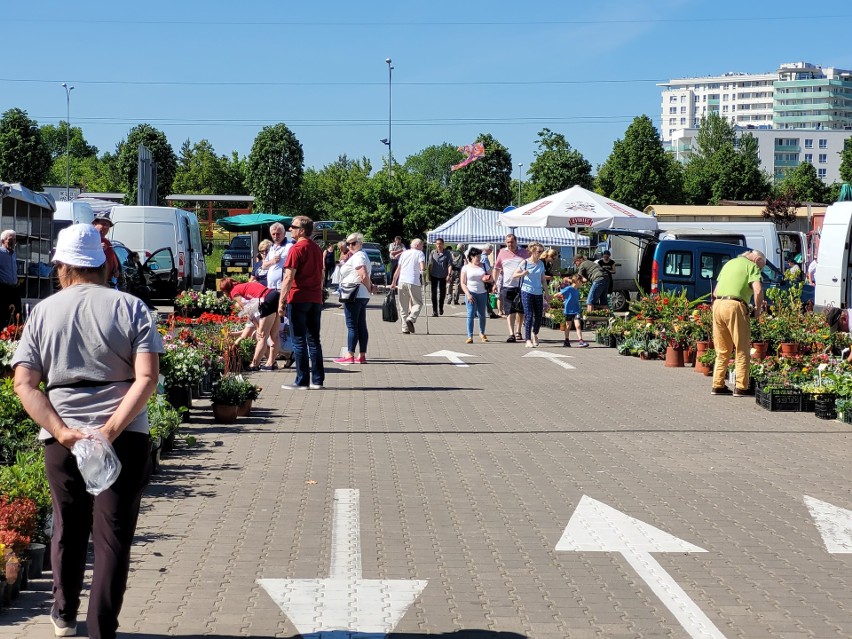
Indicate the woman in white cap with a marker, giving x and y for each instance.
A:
(97, 351)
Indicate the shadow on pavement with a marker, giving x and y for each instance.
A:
(344, 634)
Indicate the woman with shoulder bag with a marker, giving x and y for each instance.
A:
(533, 285)
(355, 290)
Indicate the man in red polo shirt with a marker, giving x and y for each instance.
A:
(301, 299)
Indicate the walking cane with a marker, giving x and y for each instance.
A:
(423, 297)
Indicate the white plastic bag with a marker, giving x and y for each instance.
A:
(97, 461)
(250, 309)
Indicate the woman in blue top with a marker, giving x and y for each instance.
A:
(531, 272)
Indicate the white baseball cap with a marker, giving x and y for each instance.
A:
(79, 245)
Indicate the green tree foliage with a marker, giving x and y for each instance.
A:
(803, 184)
(275, 169)
(128, 161)
(718, 170)
(486, 182)
(200, 171)
(24, 157)
(434, 162)
(339, 191)
(639, 172)
(55, 139)
(557, 166)
(846, 161)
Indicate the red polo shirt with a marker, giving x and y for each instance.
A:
(249, 291)
(306, 258)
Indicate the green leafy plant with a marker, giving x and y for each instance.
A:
(27, 478)
(708, 357)
(163, 418)
(233, 390)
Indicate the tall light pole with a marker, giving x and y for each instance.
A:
(390, 115)
(68, 90)
(520, 164)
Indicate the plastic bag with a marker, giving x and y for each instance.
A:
(97, 461)
(250, 309)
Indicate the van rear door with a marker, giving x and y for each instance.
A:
(832, 276)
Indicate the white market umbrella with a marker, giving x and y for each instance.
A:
(579, 208)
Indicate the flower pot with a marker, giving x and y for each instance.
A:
(244, 409)
(759, 349)
(674, 357)
(689, 356)
(704, 369)
(13, 578)
(224, 414)
(179, 396)
(700, 347)
(787, 349)
(647, 356)
(562, 326)
(169, 442)
(36, 554)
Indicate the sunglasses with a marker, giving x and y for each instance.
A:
(355, 243)
(294, 226)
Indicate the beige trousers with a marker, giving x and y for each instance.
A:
(410, 302)
(731, 332)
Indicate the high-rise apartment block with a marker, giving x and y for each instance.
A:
(800, 113)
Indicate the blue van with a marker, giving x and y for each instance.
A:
(693, 266)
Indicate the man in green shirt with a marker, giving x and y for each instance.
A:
(738, 279)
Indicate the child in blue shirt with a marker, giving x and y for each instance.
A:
(571, 294)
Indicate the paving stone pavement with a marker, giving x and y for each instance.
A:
(467, 479)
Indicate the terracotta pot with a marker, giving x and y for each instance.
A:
(224, 414)
(787, 348)
(759, 349)
(703, 368)
(689, 356)
(674, 357)
(700, 347)
(244, 409)
(708, 372)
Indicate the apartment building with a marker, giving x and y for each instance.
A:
(800, 113)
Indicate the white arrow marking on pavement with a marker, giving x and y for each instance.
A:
(455, 358)
(834, 524)
(596, 527)
(344, 601)
(553, 357)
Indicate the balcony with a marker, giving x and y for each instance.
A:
(787, 163)
(787, 148)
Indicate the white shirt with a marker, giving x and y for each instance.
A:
(473, 276)
(275, 274)
(410, 266)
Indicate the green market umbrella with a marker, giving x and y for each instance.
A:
(252, 221)
(845, 193)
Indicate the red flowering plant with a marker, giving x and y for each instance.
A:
(18, 518)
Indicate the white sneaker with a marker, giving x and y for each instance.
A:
(314, 387)
(293, 387)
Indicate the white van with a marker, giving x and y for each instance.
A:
(68, 213)
(834, 266)
(148, 229)
(777, 245)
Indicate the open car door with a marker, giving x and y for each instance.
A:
(160, 271)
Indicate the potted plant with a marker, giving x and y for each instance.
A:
(164, 421)
(250, 393)
(228, 395)
(705, 362)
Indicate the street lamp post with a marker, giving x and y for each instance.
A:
(520, 202)
(390, 118)
(68, 90)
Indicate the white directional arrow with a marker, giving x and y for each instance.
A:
(834, 524)
(344, 601)
(455, 358)
(596, 527)
(553, 357)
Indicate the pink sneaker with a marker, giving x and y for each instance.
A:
(345, 360)
(362, 359)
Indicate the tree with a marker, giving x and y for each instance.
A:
(200, 171)
(434, 162)
(24, 157)
(803, 184)
(557, 166)
(275, 169)
(128, 161)
(639, 172)
(718, 170)
(484, 183)
(339, 191)
(781, 208)
(846, 161)
(55, 139)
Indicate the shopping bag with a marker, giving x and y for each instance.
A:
(389, 312)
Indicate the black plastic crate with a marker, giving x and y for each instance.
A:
(779, 400)
(824, 406)
(809, 402)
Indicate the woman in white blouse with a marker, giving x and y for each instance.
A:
(473, 280)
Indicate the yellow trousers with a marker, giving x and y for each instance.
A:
(731, 332)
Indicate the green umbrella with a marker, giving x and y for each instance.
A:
(845, 193)
(252, 221)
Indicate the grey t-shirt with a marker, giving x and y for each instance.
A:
(88, 333)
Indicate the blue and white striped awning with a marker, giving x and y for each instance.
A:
(479, 226)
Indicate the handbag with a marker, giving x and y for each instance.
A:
(348, 291)
(389, 311)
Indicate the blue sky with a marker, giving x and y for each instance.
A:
(222, 71)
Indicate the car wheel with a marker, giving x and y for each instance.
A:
(620, 301)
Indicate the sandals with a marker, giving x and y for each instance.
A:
(511, 338)
(518, 337)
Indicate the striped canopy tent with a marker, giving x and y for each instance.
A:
(479, 226)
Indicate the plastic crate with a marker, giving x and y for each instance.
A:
(779, 400)
(808, 402)
(824, 406)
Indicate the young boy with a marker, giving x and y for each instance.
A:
(571, 294)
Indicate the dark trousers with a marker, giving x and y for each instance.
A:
(307, 350)
(110, 517)
(439, 291)
(455, 290)
(10, 305)
(357, 334)
(533, 311)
